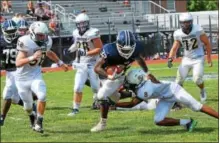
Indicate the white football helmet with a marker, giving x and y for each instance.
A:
(82, 22)
(186, 22)
(39, 32)
(135, 76)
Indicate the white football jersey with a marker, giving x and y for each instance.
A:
(149, 90)
(32, 69)
(193, 46)
(85, 41)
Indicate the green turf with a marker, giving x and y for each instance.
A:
(123, 126)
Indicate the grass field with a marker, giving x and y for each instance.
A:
(123, 126)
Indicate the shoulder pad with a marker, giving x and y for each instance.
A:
(49, 43)
(199, 30)
(23, 42)
(75, 32)
(176, 35)
(93, 33)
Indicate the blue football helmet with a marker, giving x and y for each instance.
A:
(126, 43)
(22, 27)
(9, 30)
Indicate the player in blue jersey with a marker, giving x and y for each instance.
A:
(8, 54)
(120, 53)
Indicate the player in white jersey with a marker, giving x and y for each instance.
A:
(192, 38)
(32, 50)
(148, 87)
(8, 52)
(87, 44)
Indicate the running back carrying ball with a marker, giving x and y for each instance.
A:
(111, 69)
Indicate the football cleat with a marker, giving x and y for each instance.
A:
(74, 112)
(176, 106)
(99, 127)
(39, 125)
(32, 118)
(191, 125)
(95, 105)
(203, 96)
(2, 121)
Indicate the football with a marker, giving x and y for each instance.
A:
(110, 69)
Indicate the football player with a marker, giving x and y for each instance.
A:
(32, 50)
(87, 44)
(8, 54)
(121, 53)
(192, 38)
(168, 93)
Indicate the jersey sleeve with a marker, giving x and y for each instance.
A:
(176, 35)
(104, 52)
(49, 43)
(22, 44)
(200, 30)
(94, 33)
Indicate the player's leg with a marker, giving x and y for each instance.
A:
(109, 87)
(160, 118)
(80, 79)
(198, 72)
(182, 72)
(9, 91)
(185, 98)
(38, 86)
(94, 81)
(24, 91)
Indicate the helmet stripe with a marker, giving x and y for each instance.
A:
(126, 41)
(129, 36)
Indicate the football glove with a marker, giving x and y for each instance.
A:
(169, 63)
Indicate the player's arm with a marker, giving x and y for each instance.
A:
(98, 67)
(205, 40)
(175, 47)
(98, 45)
(130, 104)
(22, 58)
(53, 56)
(140, 60)
(153, 78)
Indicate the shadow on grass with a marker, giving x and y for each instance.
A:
(179, 131)
(57, 108)
(84, 131)
(212, 99)
(117, 128)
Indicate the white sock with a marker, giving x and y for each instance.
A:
(94, 96)
(39, 115)
(203, 90)
(183, 122)
(103, 120)
(76, 105)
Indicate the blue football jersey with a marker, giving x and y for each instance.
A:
(112, 56)
(8, 53)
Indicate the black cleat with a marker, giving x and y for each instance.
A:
(177, 106)
(95, 105)
(38, 127)
(191, 125)
(2, 121)
(32, 118)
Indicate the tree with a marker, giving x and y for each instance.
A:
(202, 5)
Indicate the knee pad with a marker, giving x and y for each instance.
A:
(196, 106)
(41, 96)
(15, 99)
(28, 106)
(78, 88)
(198, 79)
